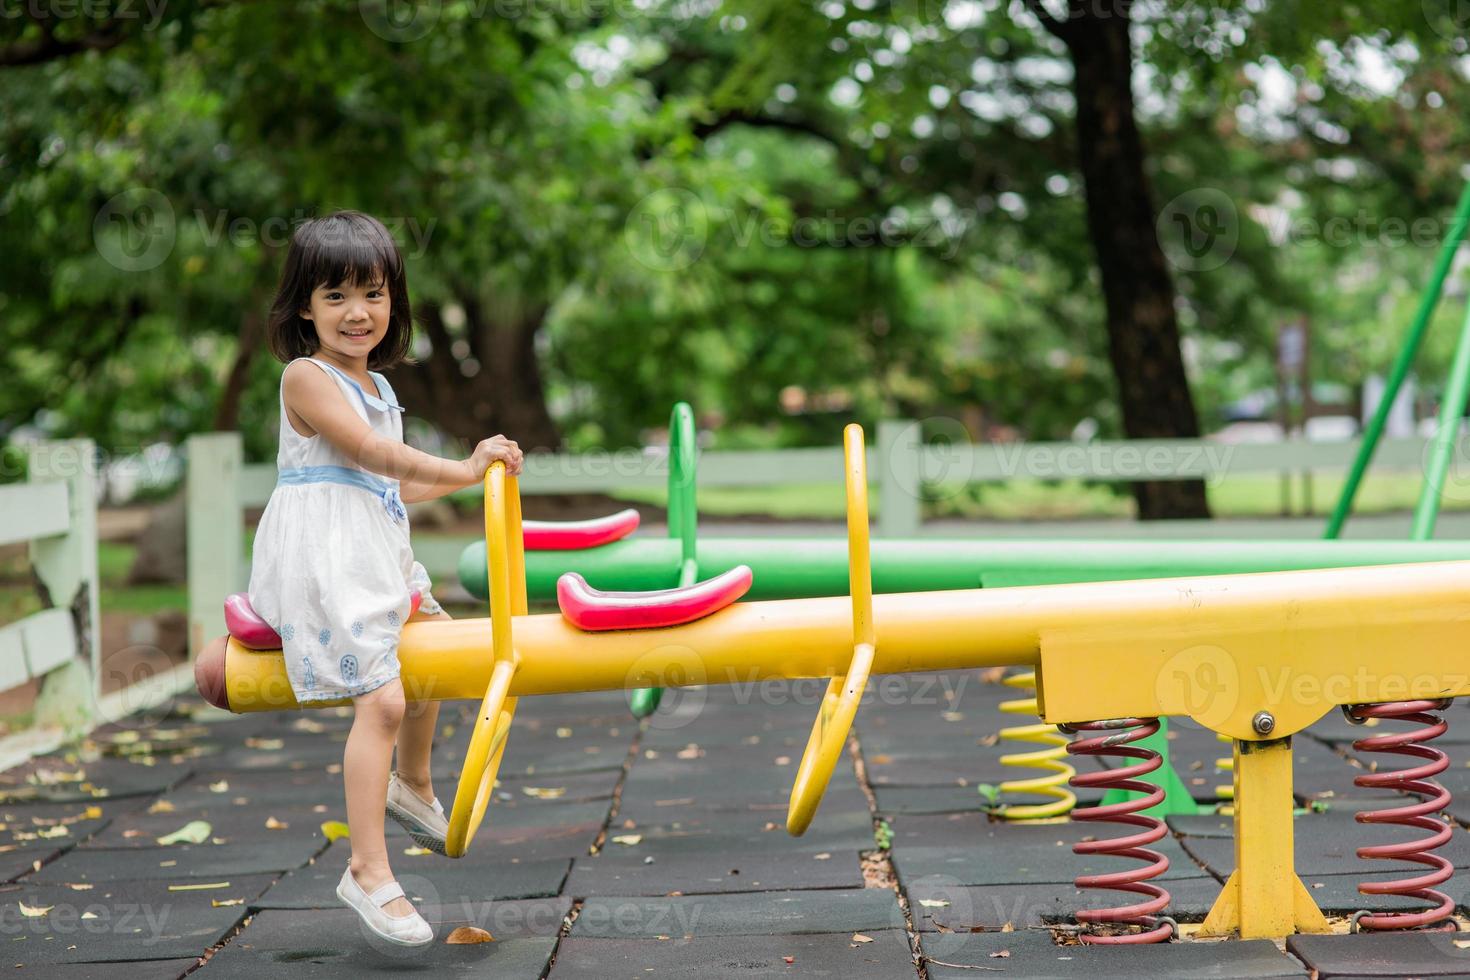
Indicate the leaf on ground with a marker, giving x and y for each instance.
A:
(202, 886)
(161, 806)
(628, 839)
(34, 912)
(219, 903)
(416, 851)
(265, 744)
(468, 935)
(934, 903)
(1001, 954)
(193, 832)
(271, 823)
(824, 856)
(858, 937)
(545, 792)
(988, 791)
(335, 830)
(223, 786)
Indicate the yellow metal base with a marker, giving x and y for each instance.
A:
(1263, 899)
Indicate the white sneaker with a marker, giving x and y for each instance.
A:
(403, 930)
(425, 822)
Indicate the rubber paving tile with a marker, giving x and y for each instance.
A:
(886, 957)
(88, 782)
(352, 957)
(1383, 955)
(761, 914)
(1327, 844)
(129, 970)
(961, 908)
(694, 874)
(122, 920)
(896, 800)
(210, 861)
(1014, 860)
(1033, 955)
(485, 874)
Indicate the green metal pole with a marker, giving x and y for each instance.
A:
(1446, 434)
(683, 510)
(1401, 366)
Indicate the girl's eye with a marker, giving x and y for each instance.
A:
(334, 296)
(374, 293)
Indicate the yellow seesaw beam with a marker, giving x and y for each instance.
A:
(1217, 648)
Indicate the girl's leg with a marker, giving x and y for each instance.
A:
(416, 737)
(376, 719)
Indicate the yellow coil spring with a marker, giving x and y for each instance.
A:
(1058, 772)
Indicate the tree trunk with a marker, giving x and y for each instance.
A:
(503, 393)
(1143, 334)
(252, 336)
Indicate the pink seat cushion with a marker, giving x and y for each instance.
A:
(254, 633)
(588, 609)
(569, 535)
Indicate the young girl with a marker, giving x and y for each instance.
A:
(332, 569)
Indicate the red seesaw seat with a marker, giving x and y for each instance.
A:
(570, 535)
(588, 609)
(254, 633)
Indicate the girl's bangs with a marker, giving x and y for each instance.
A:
(342, 251)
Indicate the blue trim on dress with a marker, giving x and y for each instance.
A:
(384, 490)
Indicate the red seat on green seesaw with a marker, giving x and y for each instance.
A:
(254, 633)
(588, 609)
(570, 535)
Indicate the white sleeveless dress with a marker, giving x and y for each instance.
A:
(331, 567)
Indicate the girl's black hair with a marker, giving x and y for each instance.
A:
(347, 246)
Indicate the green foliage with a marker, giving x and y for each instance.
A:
(791, 214)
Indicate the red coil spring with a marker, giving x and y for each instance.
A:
(1415, 781)
(1118, 733)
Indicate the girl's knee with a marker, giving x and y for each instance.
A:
(385, 706)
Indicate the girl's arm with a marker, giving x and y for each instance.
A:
(314, 396)
(417, 491)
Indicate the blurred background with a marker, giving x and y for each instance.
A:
(1008, 221)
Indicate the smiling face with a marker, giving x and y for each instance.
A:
(350, 319)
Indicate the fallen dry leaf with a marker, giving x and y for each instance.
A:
(223, 786)
(271, 823)
(335, 830)
(545, 792)
(933, 903)
(628, 839)
(161, 806)
(220, 903)
(858, 937)
(33, 912)
(199, 887)
(467, 935)
(1000, 954)
(416, 851)
(193, 832)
